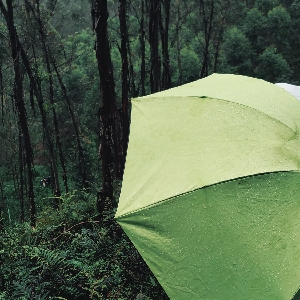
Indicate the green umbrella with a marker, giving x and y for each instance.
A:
(211, 189)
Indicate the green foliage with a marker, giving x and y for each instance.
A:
(237, 53)
(69, 16)
(278, 28)
(80, 258)
(254, 28)
(295, 10)
(273, 67)
(81, 75)
(75, 207)
(279, 19)
(261, 45)
(265, 5)
(190, 65)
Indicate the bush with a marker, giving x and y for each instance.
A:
(72, 255)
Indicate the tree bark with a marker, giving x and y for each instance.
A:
(107, 111)
(178, 46)
(217, 40)
(207, 22)
(143, 56)
(21, 171)
(82, 165)
(2, 93)
(38, 91)
(164, 31)
(37, 88)
(125, 85)
(153, 39)
(19, 102)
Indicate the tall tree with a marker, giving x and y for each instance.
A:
(107, 111)
(2, 92)
(142, 42)
(21, 171)
(164, 30)
(37, 16)
(207, 17)
(125, 85)
(82, 165)
(154, 42)
(19, 102)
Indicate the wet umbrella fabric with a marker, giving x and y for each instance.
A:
(211, 194)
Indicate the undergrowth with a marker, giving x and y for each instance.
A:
(72, 255)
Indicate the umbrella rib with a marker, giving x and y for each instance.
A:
(247, 106)
(219, 99)
(172, 198)
(139, 99)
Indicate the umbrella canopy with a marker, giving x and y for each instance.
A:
(293, 89)
(211, 189)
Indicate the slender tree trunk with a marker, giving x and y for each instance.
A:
(56, 186)
(35, 86)
(164, 31)
(19, 101)
(125, 85)
(133, 91)
(39, 95)
(219, 34)
(37, 90)
(57, 192)
(216, 55)
(2, 93)
(16, 179)
(153, 39)
(178, 47)
(143, 56)
(207, 22)
(82, 165)
(2, 206)
(21, 173)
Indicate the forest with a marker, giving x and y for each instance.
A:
(68, 69)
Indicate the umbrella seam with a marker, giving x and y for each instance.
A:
(225, 100)
(197, 189)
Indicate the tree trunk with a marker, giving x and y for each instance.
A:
(56, 185)
(207, 22)
(153, 39)
(217, 40)
(107, 111)
(2, 93)
(36, 84)
(19, 102)
(21, 171)
(125, 86)
(1, 217)
(164, 31)
(142, 42)
(35, 88)
(178, 46)
(82, 166)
